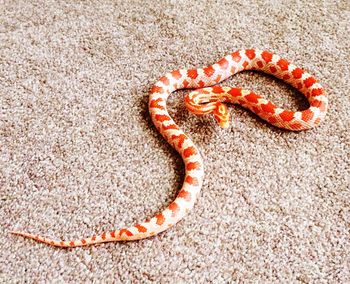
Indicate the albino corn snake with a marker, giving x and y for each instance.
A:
(205, 101)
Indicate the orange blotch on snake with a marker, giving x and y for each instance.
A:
(245, 64)
(62, 243)
(71, 244)
(273, 69)
(176, 74)
(269, 107)
(182, 137)
(192, 166)
(93, 238)
(283, 64)
(189, 151)
(185, 195)
(164, 80)
(319, 104)
(185, 83)
(315, 103)
(160, 219)
(309, 82)
(170, 126)
(209, 71)
(191, 180)
(192, 73)
(217, 90)
(125, 231)
(83, 242)
(317, 92)
(174, 207)
(162, 117)
(236, 56)
(260, 64)
(307, 115)
(287, 115)
(157, 89)
(223, 63)
(218, 79)
(155, 103)
(201, 84)
(286, 77)
(112, 234)
(103, 236)
(235, 92)
(253, 98)
(140, 228)
(52, 243)
(250, 53)
(297, 73)
(267, 56)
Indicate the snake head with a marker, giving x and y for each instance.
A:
(222, 115)
(204, 101)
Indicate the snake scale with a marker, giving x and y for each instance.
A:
(209, 98)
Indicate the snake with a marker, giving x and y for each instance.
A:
(207, 97)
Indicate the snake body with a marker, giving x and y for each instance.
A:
(210, 98)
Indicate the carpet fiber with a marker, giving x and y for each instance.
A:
(80, 155)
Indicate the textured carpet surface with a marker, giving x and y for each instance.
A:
(79, 154)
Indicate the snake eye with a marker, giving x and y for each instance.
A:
(221, 109)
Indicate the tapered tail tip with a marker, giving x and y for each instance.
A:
(22, 234)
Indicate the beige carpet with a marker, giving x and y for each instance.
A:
(79, 154)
